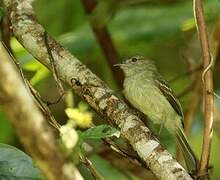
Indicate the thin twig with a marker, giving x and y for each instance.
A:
(207, 88)
(41, 104)
(91, 168)
(44, 107)
(47, 103)
(56, 101)
(216, 95)
(54, 70)
(122, 152)
(104, 39)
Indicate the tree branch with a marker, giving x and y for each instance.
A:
(69, 69)
(30, 124)
(104, 39)
(207, 88)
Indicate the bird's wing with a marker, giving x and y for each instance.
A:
(168, 93)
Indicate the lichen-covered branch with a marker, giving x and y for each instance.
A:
(31, 34)
(30, 124)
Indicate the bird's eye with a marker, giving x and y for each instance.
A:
(134, 59)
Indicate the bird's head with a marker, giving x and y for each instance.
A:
(136, 64)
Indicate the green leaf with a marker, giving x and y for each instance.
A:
(21, 54)
(41, 72)
(15, 164)
(98, 132)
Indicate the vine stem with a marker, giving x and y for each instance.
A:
(207, 76)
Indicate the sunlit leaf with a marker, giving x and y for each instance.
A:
(40, 75)
(188, 24)
(41, 71)
(32, 66)
(21, 54)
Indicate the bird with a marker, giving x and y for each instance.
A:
(146, 90)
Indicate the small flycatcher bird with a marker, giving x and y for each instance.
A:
(148, 92)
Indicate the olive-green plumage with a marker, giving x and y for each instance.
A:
(147, 91)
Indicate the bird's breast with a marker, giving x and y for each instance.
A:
(144, 95)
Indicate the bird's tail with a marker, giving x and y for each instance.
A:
(188, 154)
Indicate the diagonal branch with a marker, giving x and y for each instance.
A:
(30, 124)
(208, 86)
(69, 69)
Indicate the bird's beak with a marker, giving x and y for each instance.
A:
(117, 65)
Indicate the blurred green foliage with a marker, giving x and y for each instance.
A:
(163, 31)
(1, 12)
(7, 132)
